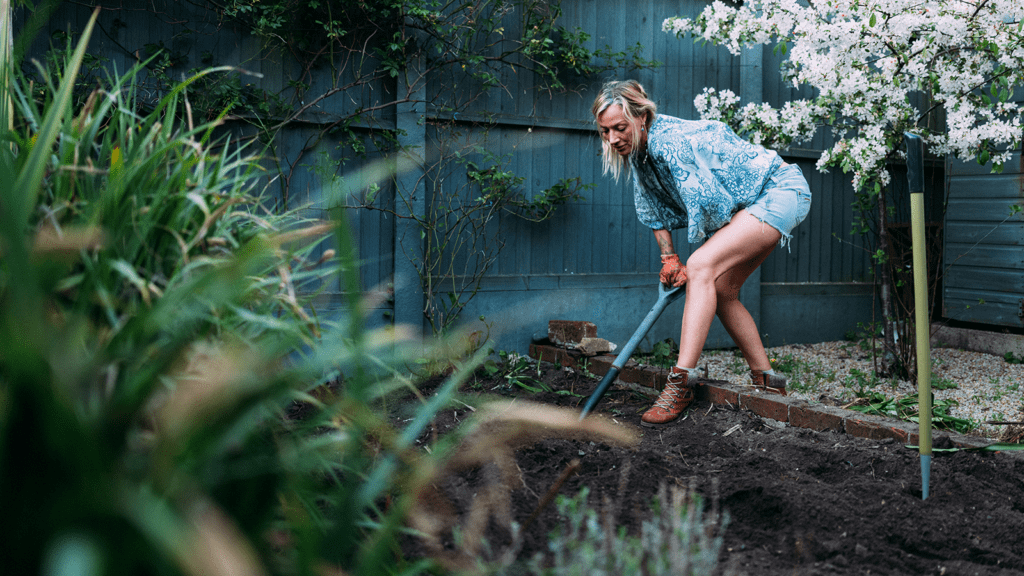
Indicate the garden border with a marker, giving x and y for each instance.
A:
(800, 413)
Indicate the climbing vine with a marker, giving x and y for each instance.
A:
(347, 66)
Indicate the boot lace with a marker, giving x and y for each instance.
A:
(671, 394)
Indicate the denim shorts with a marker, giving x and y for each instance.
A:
(784, 202)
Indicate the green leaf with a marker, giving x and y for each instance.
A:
(872, 21)
(128, 272)
(28, 183)
(996, 447)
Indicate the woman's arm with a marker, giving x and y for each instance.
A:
(673, 273)
(664, 240)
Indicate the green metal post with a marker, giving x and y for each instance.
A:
(915, 169)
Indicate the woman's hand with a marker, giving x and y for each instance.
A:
(673, 273)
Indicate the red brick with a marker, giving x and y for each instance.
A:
(717, 394)
(555, 355)
(642, 377)
(600, 365)
(874, 428)
(660, 378)
(818, 418)
(562, 332)
(797, 412)
(961, 441)
(905, 432)
(770, 406)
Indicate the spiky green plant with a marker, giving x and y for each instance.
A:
(169, 403)
(149, 323)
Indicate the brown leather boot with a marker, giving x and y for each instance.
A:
(770, 383)
(677, 395)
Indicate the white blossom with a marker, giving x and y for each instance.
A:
(868, 62)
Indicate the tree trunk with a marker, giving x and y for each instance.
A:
(889, 349)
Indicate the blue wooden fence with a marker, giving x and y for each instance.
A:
(593, 261)
(984, 245)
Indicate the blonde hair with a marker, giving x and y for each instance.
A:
(630, 95)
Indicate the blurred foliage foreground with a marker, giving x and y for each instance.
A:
(155, 342)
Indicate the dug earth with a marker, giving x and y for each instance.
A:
(799, 501)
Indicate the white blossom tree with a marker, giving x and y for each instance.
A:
(944, 69)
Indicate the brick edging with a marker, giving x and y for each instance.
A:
(795, 412)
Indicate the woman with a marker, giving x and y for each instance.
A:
(739, 198)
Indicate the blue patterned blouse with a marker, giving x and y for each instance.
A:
(697, 174)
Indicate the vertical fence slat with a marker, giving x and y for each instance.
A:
(599, 238)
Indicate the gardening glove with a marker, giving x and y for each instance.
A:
(673, 273)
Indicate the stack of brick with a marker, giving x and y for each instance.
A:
(574, 344)
(578, 335)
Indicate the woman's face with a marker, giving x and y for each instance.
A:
(618, 130)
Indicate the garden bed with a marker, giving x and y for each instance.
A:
(799, 501)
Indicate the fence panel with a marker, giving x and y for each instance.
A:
(592, 260)
(983, 257)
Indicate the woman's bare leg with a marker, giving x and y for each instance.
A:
(722, 264)
(739, 323)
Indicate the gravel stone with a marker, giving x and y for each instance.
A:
(985, 387)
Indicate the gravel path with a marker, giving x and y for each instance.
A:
(981, 387)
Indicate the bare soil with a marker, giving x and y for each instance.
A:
(799, 501)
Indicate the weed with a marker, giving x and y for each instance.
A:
(825, 375)
(787, 364)
(803, 375)
(861, 383)
(942, 383)
(736, 364)
(867, 333)
(584, 369)
(514, 368)
(1012, 358)
(663, 354)
(906, 408)
(681, 538)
